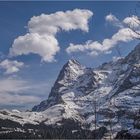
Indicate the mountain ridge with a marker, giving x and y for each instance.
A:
(105, 98)
(122, 62)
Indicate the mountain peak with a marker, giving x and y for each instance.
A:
(72, 67)
(71, 70)
(65, 81)
(71, 62)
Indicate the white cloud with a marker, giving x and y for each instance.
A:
(42, 30)
(12, 85)
(132, 21)
(88, 46)
(10, 90)
(43, 45)
(11, 66)
(124, 34)
(96, 48)
(113, 20)
(52, 23)
(16, 91)
(9, 99)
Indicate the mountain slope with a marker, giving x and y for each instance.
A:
(106, 97)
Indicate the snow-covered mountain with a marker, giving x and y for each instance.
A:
(102, 99)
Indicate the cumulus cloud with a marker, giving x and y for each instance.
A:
(96, 48)
(11, 66)
(43, 45)
(52, 23)
(113, 20)
(88, 46)
(124, 34)
(42, 29)
(132, 21)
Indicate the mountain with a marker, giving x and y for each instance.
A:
(100, 102)
(74, 80)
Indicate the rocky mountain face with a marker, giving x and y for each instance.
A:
(74, 80)
(102, 102)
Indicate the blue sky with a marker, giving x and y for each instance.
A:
(33, 78)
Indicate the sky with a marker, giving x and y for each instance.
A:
(38, 38)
